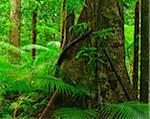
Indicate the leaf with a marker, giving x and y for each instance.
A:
(125, 110)
(74, 113)
(11, 48)
(34, 46)
(61, 86)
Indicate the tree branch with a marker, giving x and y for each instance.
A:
(68, 46)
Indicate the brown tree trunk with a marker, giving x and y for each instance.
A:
(107, 82)
(67, 22)
(15, 14)
(34, 15)
(136, 49)
(145, 51)
(112, 81)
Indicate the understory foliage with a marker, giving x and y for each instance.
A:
(26, 84)
(24, 87)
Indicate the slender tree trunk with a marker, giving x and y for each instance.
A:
(136, 49)
(145, 50)
(15, 16)
(63, 19)
(34, 19)
(67, 22)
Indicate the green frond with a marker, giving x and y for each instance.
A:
(49, 56)
(125, 110)
(73, 113)
(4, 66)
(54, 43)
(34, 46)
(60, 86)
(10, 48)
(12, 85)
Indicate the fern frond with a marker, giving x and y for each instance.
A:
(48, 56)
(73, 113)
(34, 46)
(60, 86)
(125, 110)
(12, 85)
(10, 48)
(54, 43)
(4, 66)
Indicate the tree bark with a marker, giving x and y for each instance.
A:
(145, 50)
(67, 22)
(15, 16)
(109, 82)
(34, 19)
(136, 49)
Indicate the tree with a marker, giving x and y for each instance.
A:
(136, 49)
(94, 55)
(145, 50)
(68, 18)
(15, 15)
(34, 20)
(109, 70)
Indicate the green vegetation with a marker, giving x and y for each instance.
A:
(27, 84)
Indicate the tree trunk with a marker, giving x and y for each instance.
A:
(136, 49)
(34, 19)
(67, 22)
(15, 14)
(110, 81)
(145, 50)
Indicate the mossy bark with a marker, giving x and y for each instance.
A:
(110, 81)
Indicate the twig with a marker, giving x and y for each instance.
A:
(15, 113)
(49, 105)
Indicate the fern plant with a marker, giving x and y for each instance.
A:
(24, 87)
(125, 110)
(22, 83)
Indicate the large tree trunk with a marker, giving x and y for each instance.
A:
(15, 13)
(145, 50)
(109, 82)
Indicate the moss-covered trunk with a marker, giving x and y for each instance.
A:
(106, 76)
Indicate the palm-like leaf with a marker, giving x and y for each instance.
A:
(34, 46)
(125, 110)
(73, 113)
(11, 48)
(60, 86)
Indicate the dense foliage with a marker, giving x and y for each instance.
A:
(25, 84)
